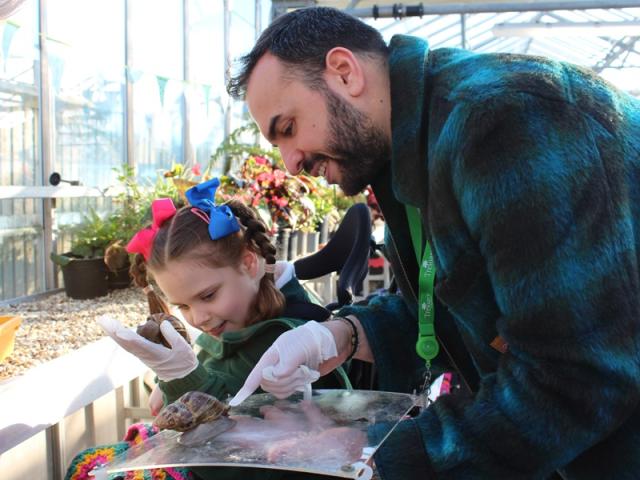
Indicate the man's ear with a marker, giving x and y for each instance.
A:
(344, 72)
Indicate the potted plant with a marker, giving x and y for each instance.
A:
(83, 268)
(132, 212)
(97, 260)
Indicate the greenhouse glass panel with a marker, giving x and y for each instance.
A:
(21, 241)
(206, 86)
(86, 80)
(86, 72)
(155, 68)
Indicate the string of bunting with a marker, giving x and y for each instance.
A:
(133, 74)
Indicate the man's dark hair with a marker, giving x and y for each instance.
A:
(302, 39)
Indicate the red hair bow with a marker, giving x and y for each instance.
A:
(162, 210)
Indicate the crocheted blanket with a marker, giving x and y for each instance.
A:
(85, 461)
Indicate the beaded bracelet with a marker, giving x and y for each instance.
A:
(355, 341)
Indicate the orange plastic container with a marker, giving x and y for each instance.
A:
(8, 328)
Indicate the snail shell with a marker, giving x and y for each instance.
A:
(151, 329)
(189, 411)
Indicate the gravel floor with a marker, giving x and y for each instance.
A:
(58, 324)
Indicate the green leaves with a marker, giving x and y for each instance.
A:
(94, 234)
(60, 260)
(259, 178)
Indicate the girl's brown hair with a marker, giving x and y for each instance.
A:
(186, 236)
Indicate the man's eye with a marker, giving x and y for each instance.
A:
(288, 130)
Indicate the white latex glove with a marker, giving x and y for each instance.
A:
(167, 363)
(291, 363)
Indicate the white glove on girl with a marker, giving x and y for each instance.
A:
(291, 362)
(167, 363)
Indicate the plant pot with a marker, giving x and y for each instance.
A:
(85, 278)
(313, 242)
(282, 244)
(120, 278)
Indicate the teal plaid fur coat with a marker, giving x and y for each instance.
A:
(527, 175)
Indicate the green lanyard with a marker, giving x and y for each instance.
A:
(427, 345)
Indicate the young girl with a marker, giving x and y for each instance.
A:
(217, 265)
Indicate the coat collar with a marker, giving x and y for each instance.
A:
(407, 69)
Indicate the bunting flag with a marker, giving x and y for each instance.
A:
(133, 74)
(162, 84)
(207, 92)
(56, 67)
(9, 31)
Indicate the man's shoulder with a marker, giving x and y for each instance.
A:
(466, 76)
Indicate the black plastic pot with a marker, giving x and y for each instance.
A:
(85, 278)
(120, 278)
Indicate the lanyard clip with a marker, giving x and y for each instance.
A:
(427, 347)
(423, 400)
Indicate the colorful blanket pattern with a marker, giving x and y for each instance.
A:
(85, 461)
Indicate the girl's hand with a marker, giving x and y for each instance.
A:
(167, 363)
(156, 401)
(299, 356)
(291, 362)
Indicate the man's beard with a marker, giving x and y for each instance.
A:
(357, 146)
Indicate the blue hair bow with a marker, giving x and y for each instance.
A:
(222, 221)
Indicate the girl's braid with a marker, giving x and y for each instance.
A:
(270, 301)
(138, 271)
(255, 232)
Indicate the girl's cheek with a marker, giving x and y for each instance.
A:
(237, 307)
(188, 319)
(241, 296)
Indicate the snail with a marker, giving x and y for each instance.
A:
(151, 329)
(190, 410)
(198, 415)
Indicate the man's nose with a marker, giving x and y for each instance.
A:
(293, 159)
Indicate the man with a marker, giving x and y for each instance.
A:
(526, 176)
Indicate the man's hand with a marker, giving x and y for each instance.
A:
(291, 362)
(167, 363)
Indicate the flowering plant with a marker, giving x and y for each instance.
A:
(184, 177)
(257, 176)
(281, 199)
